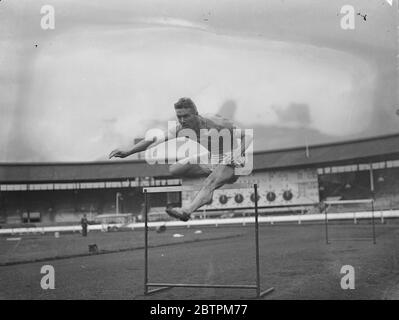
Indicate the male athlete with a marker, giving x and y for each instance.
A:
(223, 158)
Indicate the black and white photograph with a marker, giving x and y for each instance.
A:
(197, 155)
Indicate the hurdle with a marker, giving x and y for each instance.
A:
(350, 202)
(166, 286)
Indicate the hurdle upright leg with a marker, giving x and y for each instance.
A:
(257, 242)
(146, 284)
(326, 223)
(145, 242)
(258, 288)
(372, 221)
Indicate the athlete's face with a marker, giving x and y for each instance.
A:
(187, 118)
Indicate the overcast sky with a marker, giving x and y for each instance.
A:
(110, 68)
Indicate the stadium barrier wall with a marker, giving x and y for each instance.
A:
(215, 222)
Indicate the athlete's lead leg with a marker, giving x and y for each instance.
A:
(221, 175)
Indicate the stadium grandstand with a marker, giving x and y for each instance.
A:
(295, 179)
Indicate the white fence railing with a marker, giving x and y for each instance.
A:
(378, 214)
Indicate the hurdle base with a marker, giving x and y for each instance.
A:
(263, 293)
(152, 291)
(351, 239)
(166, 286)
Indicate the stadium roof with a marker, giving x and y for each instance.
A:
(349, 152)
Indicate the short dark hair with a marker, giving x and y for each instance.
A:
(186, 103)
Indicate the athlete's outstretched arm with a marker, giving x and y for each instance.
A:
(138, 147)
(148, 142)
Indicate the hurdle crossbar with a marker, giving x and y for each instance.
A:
(164, 189)
(165, 286)
(349, 201)
(338, 202)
